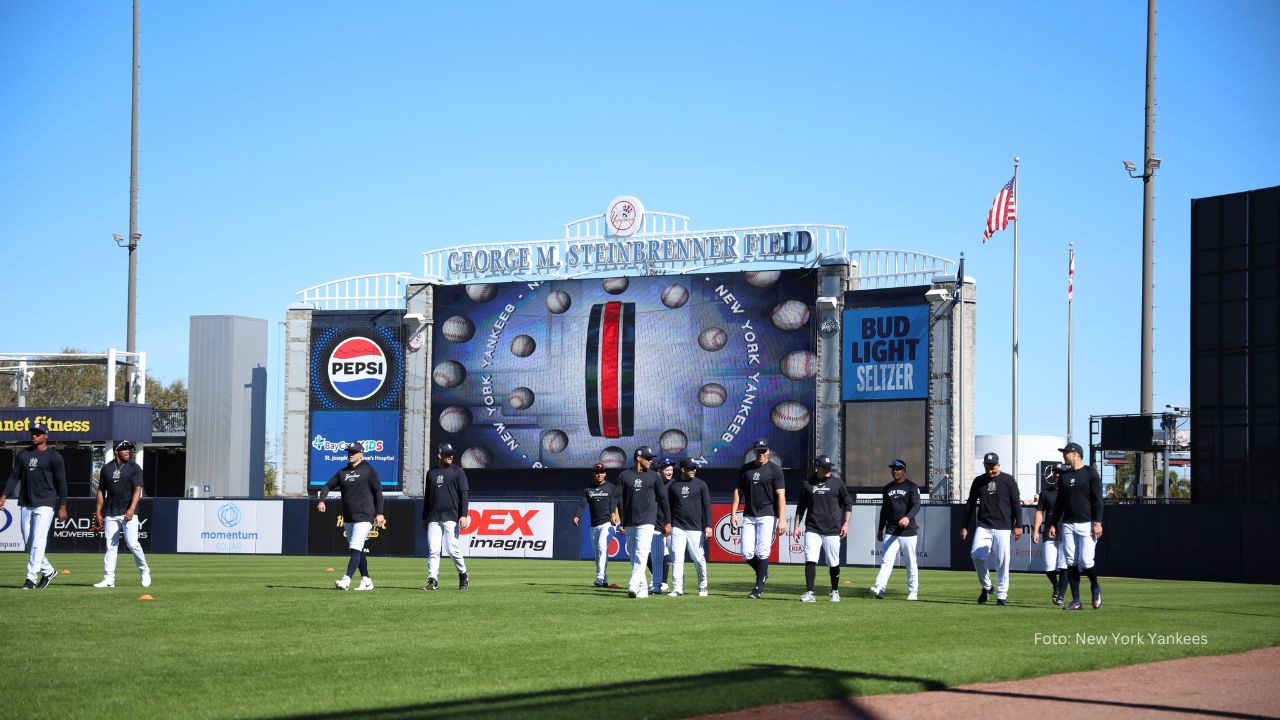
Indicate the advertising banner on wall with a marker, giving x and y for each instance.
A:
(886, 353)
(568, 373)
(933, 542)
(326, 534)
(230, 526)
(509, 529)
(76, 533)
(10, 530)
(617, 543)
(377, 431)
(726, 541)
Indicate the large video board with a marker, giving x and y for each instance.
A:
(567, 373)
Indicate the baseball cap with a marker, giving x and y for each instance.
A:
(688, 464)
(991, 459)
(1072, 447)
(760, 445)
(598, 467)
(38, 429)
(646, 452)
(667, 462)
(825, 462)
(124, 445)
(897, 463)
(444, 449)
(355, 447)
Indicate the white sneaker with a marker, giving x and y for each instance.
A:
(642, 593)
(702, 592)
(911, 596)
(663, 587)
(675, 593)
(807, 597)
(342, 583)
(106, 583)
(835, 596)
(365, 584)
(146, 579)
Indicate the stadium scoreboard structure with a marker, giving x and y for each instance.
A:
(536, 360)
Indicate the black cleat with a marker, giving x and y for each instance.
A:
(463, 584)
(28, 585)
(1001, 601)
(431, 585)
(46, 580)
(982, 599)
(1057, 600)
(755, 594)
(1097, 598)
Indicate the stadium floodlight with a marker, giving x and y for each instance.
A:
(827, 303)
(1129, 166)
(415, 318)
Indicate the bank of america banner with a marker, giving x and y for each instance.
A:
(569, 373)
(886, 353)
(230, 526)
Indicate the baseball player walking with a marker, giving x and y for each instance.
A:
(602, 497)
(999, 508)
(763, 491)
(1077, 518)
(119, 490)
(822, 515)
(660, 553)
(362, 507)
(43, 477)
(641, 501)
(899, 504)
(444, 511)
(1054, 561)
(690, 501)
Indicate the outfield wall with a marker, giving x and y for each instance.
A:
(1229, 543)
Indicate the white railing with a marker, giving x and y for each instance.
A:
(655, 223)
(362, 292)
(896, 268)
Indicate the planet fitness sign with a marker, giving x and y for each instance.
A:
(886, 353)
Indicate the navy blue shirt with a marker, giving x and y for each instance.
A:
(690, 504)
(42, 476)
(899, 500)
(996, 500)
(361, 492)
(116, 482)
(822, 504)
(758, 486)
(643, 500)
(445, 494)
(1079, 497)
(1048, 498)
(602, 499)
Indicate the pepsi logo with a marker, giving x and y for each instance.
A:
(615, 546)
(357, 368)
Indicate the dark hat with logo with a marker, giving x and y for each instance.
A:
(444, 449)
(688, 464)
(667, 462)
(355, 447)
(897, 464)
(825, 462)
(598, 467)
(991, 459)
(760, 445)
(38, 429)
(1072, 447)
(124, 445)
(646, 452)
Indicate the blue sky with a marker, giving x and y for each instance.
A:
(285, 144)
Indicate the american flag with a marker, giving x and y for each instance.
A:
(1004, 209)
(1071, 275)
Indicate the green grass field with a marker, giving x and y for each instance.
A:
(269, 637)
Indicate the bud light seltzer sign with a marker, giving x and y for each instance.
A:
(886, 353)
(357, 361)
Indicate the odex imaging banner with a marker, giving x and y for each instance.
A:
(378, 432)
(569, 373)
(509, 529)
(230, 526)
(886, 353)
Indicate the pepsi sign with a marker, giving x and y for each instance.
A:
(357, 361)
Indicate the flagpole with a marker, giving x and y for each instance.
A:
(959, 383)
(1016, 199)
(1071, 278)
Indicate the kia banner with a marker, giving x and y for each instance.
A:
(509, 529)
(230, 526)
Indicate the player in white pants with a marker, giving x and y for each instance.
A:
(1055, 561)
(1077, 519)
(445, 508)
(994, 497)
(639, 542)
(897, 529)
(36, 522)
(762, 490)
(822, 515)
(642, 500)
(690, 503)
(599, 506)
(661, 554)
(40, 476)
(443, 534)
(119, 491)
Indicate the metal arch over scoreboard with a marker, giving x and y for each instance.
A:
(627, 239)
